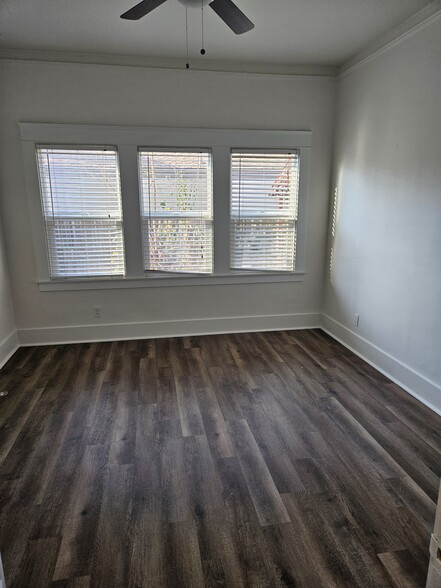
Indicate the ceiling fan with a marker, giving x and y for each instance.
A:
(226, 9)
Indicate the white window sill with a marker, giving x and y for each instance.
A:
(168, 280)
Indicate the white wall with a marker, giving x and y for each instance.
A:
(386, 262)
(118, 95)
(8, 338)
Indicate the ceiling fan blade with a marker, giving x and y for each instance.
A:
(232, 16)
(142, 9)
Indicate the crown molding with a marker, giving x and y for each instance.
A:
(410, 27)
(167, 63)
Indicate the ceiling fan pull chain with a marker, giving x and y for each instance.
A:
(203, 43)
(187, 65)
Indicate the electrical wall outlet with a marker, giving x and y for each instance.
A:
(356, 320)
(96, 312)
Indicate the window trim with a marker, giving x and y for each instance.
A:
(127, 141)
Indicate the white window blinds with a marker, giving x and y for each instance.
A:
(177, 211)
(264, 203)
(81, 202)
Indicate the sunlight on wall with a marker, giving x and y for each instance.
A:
(333, 231)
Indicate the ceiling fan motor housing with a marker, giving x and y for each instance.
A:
(194, 3)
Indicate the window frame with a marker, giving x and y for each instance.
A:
(295, 220)
(127, 141)
(73, 218)
(145, 218)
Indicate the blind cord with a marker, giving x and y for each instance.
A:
(187, 65)
(50, 186)
(202, 17)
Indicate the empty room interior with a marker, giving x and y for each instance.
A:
(220, 293)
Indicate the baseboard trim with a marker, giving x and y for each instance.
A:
(8, 347)
(158, 329)
(423, 389)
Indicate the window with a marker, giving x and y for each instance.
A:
(176, 211)
(200, 206)
(264, 204)
(81, 205)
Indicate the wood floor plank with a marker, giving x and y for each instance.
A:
(167, 405)
(81, 523)
(147, 564)
(36, 476)
(374, 456)
(395, 448)
(298, 557)
(148, 379)
(363, 401)
(190, 416)
(264, 494)
(202, 478)
(212, 417)
(427, 428)
(342, 543)
(15, 529)
(13, 426)
(244, 460)
(268, 438)
(176, 505)
(424, 451)
(242, 548)
(184, 565)
(401, 569)
(162, 353)
(38, 563)
(229, 390)
(366, 499)
(415, 499)
(79, 582)
(112, 547)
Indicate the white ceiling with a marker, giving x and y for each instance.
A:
(287, 32)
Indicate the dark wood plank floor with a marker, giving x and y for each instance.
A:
(259, 460)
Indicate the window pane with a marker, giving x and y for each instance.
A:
(77, 246)
(81, 203)
(176, 209)
(178, 245)
(262, 244)
(264, 202)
